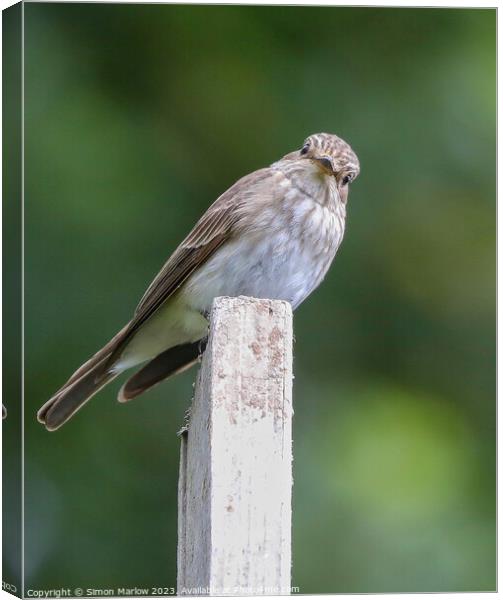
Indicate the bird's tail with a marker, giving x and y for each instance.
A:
(82, 385)
(64, 404)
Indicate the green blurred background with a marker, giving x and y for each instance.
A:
(137, 118)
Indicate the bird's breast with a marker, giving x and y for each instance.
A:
(283, 253)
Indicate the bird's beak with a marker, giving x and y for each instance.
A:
(326, 164)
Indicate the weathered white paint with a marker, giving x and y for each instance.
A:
(234, 530)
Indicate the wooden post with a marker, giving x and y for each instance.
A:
(234, 496)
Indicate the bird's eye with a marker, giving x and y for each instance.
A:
(346, 179)
(305, 149)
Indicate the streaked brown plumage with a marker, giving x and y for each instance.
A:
(273, 234)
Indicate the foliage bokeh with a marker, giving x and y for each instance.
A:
(139, 116)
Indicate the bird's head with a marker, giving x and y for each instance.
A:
(332, 155)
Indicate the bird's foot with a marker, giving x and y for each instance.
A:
(186, 422)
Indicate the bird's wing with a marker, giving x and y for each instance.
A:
(214, 228)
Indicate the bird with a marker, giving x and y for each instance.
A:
(273, 234)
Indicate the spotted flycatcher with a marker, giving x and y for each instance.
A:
(273, 234)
